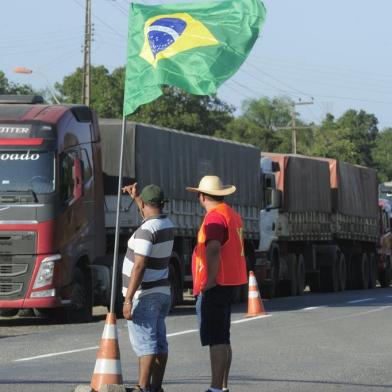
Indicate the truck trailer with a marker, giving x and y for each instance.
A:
(175, 160)
(319, 225)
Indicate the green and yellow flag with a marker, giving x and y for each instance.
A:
(194, 46)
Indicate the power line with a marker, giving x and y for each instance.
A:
(119, 7)
(103, 22)
(330, 69)
(279, 81)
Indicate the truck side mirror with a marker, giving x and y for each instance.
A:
(276, 199)
(77, 179)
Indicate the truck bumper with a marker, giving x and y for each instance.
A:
(29, 303)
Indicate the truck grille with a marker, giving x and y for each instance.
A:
(7, 289)
(13, 269)
(17, 242)
(15, 275)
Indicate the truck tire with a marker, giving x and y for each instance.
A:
(119, 300)
(313, 280)
(385, 276)
(269, 288)
(289, 286)
(342, 273)
(300, 275)
(361, 272)
(8, 312)
(174, 286)
(51, 315)
(329, 278)
(80, 310)
(372, 271)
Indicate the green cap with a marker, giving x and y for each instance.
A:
(152, 194)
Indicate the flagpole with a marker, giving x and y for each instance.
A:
(117, 234)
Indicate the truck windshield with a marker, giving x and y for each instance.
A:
(27, 171)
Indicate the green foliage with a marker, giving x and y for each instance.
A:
(350, 138)
(106, 97)
(333, 142)
(7, 87)
(382, 155)
(191, 113)
(265, 123)
(175, 109)
(360, 129)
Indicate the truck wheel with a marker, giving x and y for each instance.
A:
(372, 271)
(329, 278)
(119, 299)
(300, 275)
(385, 276)
(274, 282)
(361, 272)
(314, 282)
(269, 288)
(342, 273)
(289, 287)
(80, 310)
(8, 312)
(174, 285)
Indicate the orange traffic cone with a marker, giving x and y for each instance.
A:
(255, 304)
(108, 366)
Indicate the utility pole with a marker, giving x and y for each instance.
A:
(87, 56)
(293, 124)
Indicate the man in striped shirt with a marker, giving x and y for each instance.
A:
(146, 287)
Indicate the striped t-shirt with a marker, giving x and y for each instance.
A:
(153, 239)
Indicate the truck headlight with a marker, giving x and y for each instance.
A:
(46, 271)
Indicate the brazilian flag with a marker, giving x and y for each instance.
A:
(194, 46)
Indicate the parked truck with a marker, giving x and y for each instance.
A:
(306, 221)
(58, 185)
(319, 225)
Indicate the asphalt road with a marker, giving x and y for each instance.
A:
(317, 342)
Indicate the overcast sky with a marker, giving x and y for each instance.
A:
(338, 51)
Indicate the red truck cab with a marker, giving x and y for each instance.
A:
(51, 206)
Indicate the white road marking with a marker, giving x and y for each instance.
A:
(169, 335)
(360, 300)
(56, 354)
(357, 314)
(96, 347)
(250, 319)
(196, 330)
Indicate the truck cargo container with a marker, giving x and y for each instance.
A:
(175, 160)
(320, 225)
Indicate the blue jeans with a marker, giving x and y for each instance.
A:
(147, 329)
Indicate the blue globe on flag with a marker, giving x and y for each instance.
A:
(164, 32)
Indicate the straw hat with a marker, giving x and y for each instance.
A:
(212, 185)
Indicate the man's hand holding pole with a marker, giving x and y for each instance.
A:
(133, 192)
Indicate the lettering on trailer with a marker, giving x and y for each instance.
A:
(19, 157)
(13, 131)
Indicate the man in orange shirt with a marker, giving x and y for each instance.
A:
(218, 266)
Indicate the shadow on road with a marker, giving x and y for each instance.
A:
(246, 380)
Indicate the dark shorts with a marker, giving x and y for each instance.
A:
(213, 309)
